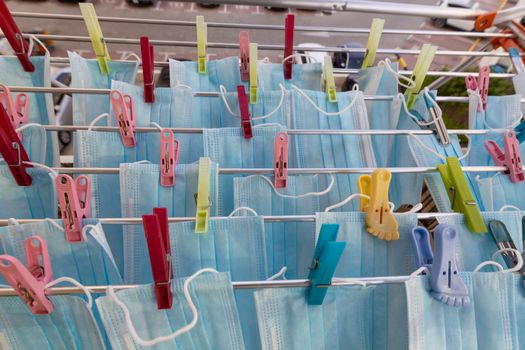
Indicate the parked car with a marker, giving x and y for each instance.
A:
(463, 24)
(63, 104)
(141, 2)
(314, 56)
(349, 60)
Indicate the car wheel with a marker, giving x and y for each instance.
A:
(439, 22)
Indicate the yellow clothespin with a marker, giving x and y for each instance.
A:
(373, 42)
(328, 79)
(203, 196)
(95, 33)
(253, 73)
(363, 185)
(423, 63)
(202, 41)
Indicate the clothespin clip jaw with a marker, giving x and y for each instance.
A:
(438, 123)
(15, 38)
(202, 41)
(30, 282)
(328, 79)
(203, 196)
(244, 55)
(510, 159)
(124, 111)
(74, 199)
(460, 195)
(280, 160)
(253, 73)
(147, 54)
(169, 157)
(17, 108)
(373, 42)
(244, 109)
(156, 230)
(97, 38)
(421, 67)
(288, 45)
(326, 257)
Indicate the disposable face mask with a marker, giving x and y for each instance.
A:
(305, 76)
(498, 190)
(85, 73)
(225, 72)
(217, 325)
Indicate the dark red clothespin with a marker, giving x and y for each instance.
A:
(169, 157)
(146, 50)
(123, 109)
(13, 150)
(288, 45)
(244, 109)
(510, 159)
(244, 55)
(157, 235)
(74, 199)
(15, 38)
(30, 282)
(280, 160)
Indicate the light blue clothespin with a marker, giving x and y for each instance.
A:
(326, 257)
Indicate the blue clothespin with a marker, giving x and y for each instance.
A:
(520, 131)
(326, 257)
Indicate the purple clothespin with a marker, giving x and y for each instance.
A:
(510, 159)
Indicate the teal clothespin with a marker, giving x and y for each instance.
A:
(326, 257)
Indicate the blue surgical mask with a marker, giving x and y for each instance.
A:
(304, 76)
(225, 72)
(497, 190)
(85, 73)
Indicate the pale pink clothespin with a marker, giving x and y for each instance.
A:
(169, 157)
(510, 159)
(30, 282)
(17, 108)
(280, 160)
(74, 199)
(123, 109)
(481, 85)
(244, 55)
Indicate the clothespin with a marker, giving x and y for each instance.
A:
(503, 240)
(74, 199)
(326, 257)
(510, 159)
(147, 54)
(169, 157)
(461, 198)
(30, 282)
(13, 150)
(15, 38)
(328, 79)
(97, 38)
(246, 121)
(203, 196)
(446, 285)
(438, 123)
(288, 45)
(373, 42)
(481, 86)
(17, 108)
(423, 63)
(253, 73)
(516, 60)
(363, 186)
(280, 160)
(124, 111)
(202, 41)
(157, 234)
(244, 52)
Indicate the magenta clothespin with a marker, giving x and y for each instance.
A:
(169, 157)
(123, 108)
(244, 109)
(74, 199)
(147, 54)
(280, 160)
(30, 282)
(481, 85)
(510, 159)
(244, 55)
(288, 45)
(17, 108)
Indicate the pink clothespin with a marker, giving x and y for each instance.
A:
(288, 45)
(157, 235)
(280, 160)
(244, 55)
(169, 157)
(510, 159)
(147, 54)
(74, 199)
(30, 282)
(481, 85)
(244, 109)
(17, 109)
(15, 38)
(123, 108)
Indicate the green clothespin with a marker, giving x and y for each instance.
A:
(423, 63)
(461, 198)
(373, 42)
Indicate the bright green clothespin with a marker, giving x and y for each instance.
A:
(373, 42)
(203, 196)
(97, 39)
(253, 73)
(423, 63)
(461, 198)
(202, 41)
(328, 79)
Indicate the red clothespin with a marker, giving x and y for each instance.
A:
(17, 109)
(146, 50)
(280, 160)
(244, 55)
(169, 157)
(30, 282)
(288, 45)
(15, 38)
(157, 234)
(74, 197)
(13, 151)
(123, 108)
(481, 85)
(246, 121)
(510, 159)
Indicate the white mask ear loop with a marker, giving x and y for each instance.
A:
(33, 38)
(96, 120)
(187, 296)
(308, 194)
(517, 254)
(300, 55)
(156, 125)
(435, 153)
(131, 54)
(43, 136)
(281, 273)
(352, 197)
(307, 98)
(76, 283)
(223, 92)
(508, 206)
(512, 125)
(399, 77)
(248, 209)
